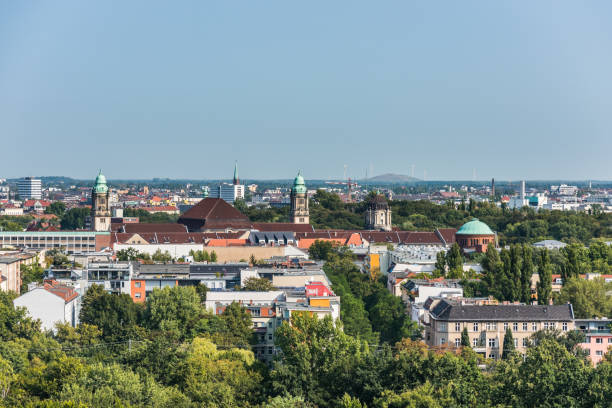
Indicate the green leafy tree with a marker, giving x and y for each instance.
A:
(440, 266)
(29, 274)
(544, 285)
(257, 284)
(213, 256)
(508, 344)
(175, 311)
(465, 338)
(128, 254)
(576, 261)
(237, 328)
(318, 358)
(117, 316)
(589, 298)
(14, 322)
(57, 208)
(7, 378)
(321, 250)
(159, 256)
(454, 259)
(526, 272)
(74, 218)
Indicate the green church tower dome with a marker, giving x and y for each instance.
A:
(475, 227)
(299, 187)
(100, 186)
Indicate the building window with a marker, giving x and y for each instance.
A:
(491, 326)
(137, 284)
(492, 355)
(505, 326)
(475, 342)
(598, 340)
(442, 327)
(525, 342)
(599, 353)
(137, 295)
(269, 337)
(457, 342)
(515, 327)
(515, 342)
(609, 339)
(545, 325)
(534, 326)
(491, 342)
(457, 326)
(564, 326)
(524, 326)
(442, 341)
(475, 327)
(552, 325)
(270, 350)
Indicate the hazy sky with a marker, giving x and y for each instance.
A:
(142, 89)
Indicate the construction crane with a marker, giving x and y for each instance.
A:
(347, 183)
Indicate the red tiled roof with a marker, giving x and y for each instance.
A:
(448, 234)
(214, 209)
(214, 213)
(175, 237)
(65, 292)
(31, 203)
(158, 208)
(148, 227)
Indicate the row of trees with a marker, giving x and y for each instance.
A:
(170, 352)
(513, 226)
(203, 256)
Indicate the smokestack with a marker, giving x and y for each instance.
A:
(522, 189)
(493, 187)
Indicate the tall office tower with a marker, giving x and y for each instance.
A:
(29, 188)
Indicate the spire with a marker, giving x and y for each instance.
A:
(236, 179)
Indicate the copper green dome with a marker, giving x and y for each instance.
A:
(100, 186)
(299, 187)
(475, 227)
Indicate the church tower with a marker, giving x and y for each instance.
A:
(100, 208)
(378, 214)
(236, 179)
(299, 201)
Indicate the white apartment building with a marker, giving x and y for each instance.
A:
(228, 192)
(51, 303)
(29, 188)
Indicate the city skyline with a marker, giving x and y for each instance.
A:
(516, 91)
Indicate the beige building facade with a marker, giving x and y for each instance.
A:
(487, 324)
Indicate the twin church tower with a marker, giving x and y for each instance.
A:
(377, 217)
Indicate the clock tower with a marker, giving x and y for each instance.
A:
(299, 201)
(100, 208)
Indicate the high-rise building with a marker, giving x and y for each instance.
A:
(29, 188)
(229, 192)
(299, 201)
(100, 207)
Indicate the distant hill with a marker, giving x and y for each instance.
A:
(391, 178)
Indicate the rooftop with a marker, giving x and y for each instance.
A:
(452, 310)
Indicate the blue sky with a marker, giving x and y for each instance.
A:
(143, 89)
